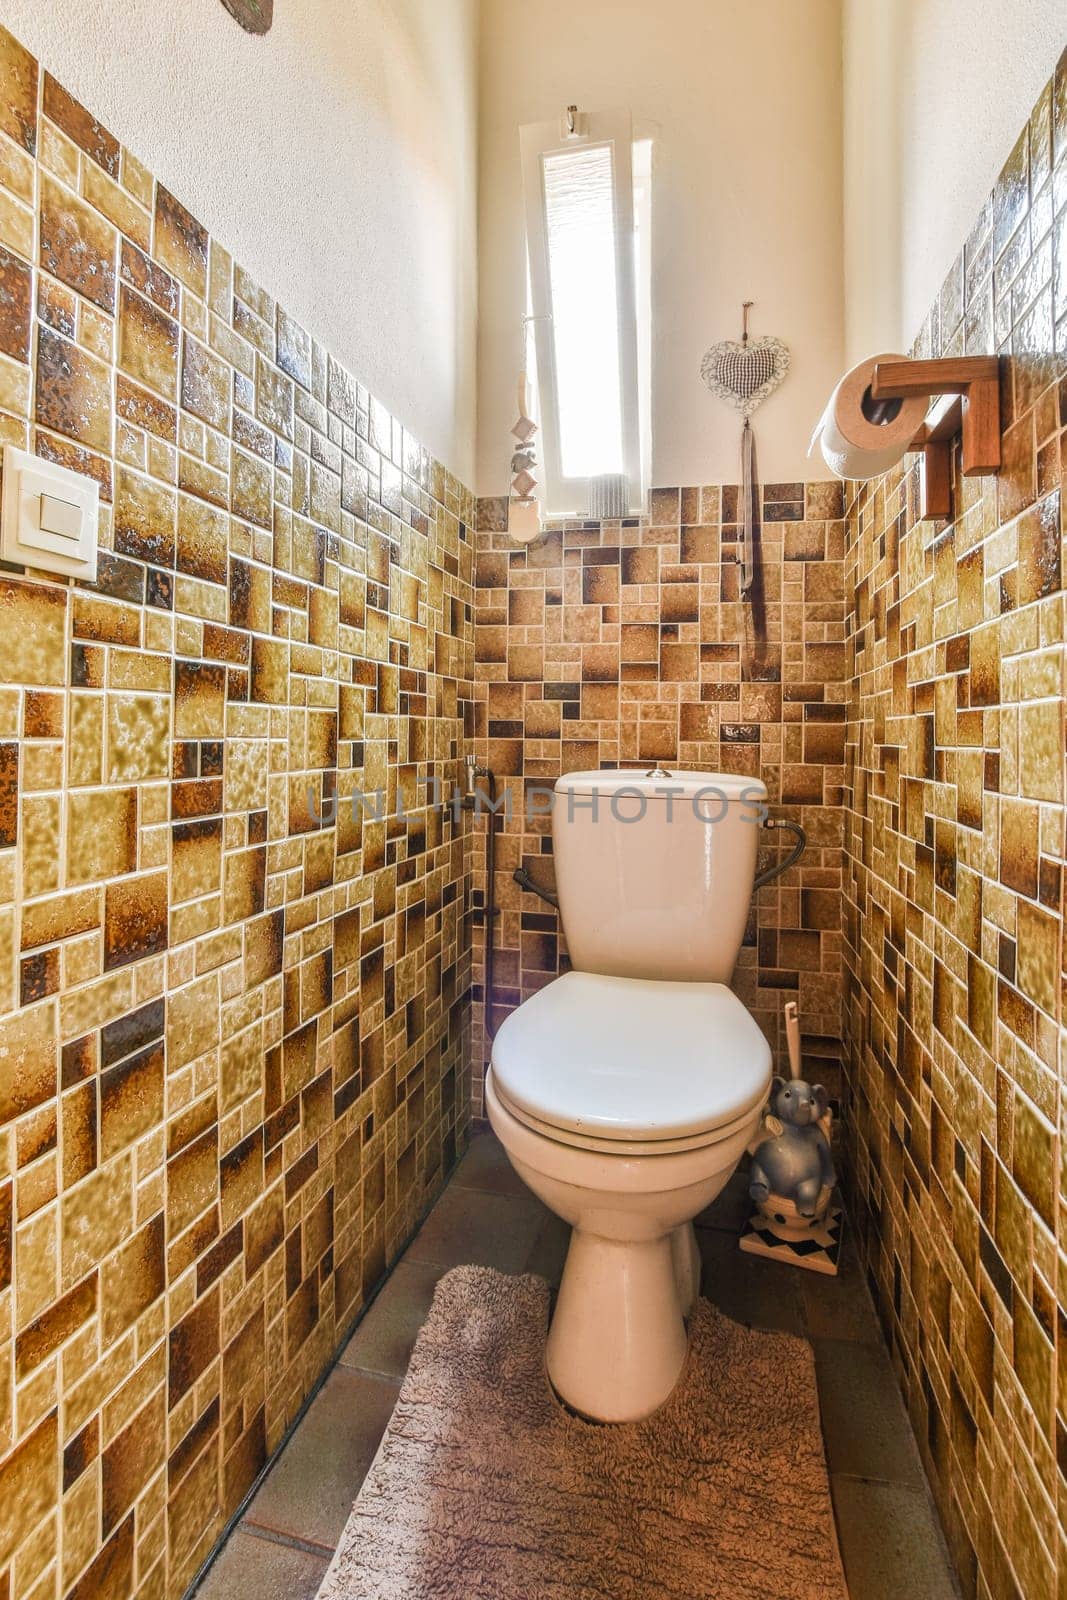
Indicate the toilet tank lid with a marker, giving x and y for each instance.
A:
(727, 785)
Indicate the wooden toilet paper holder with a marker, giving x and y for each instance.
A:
(969, 404)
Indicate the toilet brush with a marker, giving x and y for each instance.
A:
(792, 1176)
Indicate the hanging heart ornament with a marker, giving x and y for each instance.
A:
(745, 374)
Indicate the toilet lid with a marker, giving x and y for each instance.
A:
(632, 1059)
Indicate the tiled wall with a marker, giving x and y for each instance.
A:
(954, 909)
(232, 1030)
(623, 643)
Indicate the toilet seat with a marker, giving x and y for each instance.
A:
(631, 1066)
(618, 1147)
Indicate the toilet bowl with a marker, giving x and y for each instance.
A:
(626, 1091)
(628, 1157)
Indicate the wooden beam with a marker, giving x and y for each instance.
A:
(981, 427)
(950, 375)
(936, 480)
(968, 388)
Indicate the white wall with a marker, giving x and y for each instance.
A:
(936, 93)
(335, 157)
(744, 103)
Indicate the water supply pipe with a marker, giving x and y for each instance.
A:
(472, 802)
(770, 873)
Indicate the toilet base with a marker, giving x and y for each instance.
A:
(686, 1253)
(617, 1344)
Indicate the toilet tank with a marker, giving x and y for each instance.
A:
(654, 871)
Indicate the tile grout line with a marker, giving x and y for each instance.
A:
(373, 1372)
(310, 1547)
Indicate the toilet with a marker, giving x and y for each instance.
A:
(626, 1091)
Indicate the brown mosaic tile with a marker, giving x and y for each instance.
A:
(251, 494)
(77, 244)
(139, 270)
(62, 917)
(269, 671)
(193, 1344)
(77, 123)
(16, 306)
(131, 1460)
(27, 1483)
(196, 859)
(274, 398)
(180, 242)
(73, 391)
(9, 789)
(199, 697)
(111, 1573)
(135, 919)
(138, 737)
(144, 410)
(145, 514)
(63, 1318)
(167, 714)
(136, 1280)
(131, 1100)
(18, 92)
(203, 541)
(294, 349)
(148, 344)
(101, 834)
(954, 921)
(206, 384)
(27, 1060)
(648, 680)
(34, 636)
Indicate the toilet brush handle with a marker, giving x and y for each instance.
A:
(792, 1034)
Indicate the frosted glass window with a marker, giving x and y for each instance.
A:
(587, 301)
(579, 190)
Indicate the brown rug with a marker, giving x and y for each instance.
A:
(484, 1486)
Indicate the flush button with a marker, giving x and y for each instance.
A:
(48, 516)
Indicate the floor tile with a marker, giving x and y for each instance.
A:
(888, 1529)
(731, 1209)
(486, 1166)
(841, 1307)
(383, 1341)
(470, 1227)
(864, 1421)
(249, 1565)
(549, 1251)
(759, 1293)
(891, 1542)
(310, 1490)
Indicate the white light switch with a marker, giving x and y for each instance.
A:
(48, 518)
(60, 516)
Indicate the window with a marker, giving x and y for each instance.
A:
(586, 196)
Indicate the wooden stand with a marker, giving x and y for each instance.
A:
(969, 390)
(777, 1231)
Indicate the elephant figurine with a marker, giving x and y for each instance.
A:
(791, 1157)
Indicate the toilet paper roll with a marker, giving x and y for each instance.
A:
(860, 437)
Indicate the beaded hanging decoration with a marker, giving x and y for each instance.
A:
(743, 375)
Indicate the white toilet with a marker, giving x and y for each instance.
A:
(626, 1091)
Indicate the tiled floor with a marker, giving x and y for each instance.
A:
(888, 1529)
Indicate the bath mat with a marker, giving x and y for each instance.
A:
(485, 1488)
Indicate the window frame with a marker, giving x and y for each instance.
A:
(614, 129)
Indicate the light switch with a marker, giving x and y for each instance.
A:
(60, 516)
(48, 517)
